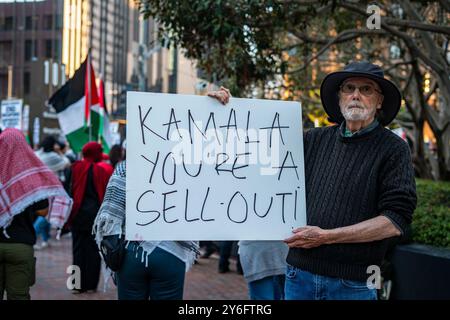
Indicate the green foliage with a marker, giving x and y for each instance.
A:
(236, 43)
(431, 220)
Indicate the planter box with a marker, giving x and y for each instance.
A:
(421, 272)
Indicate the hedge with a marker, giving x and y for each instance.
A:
(431, 220)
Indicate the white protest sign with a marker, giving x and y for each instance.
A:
(198, 170)
(36, 131)
(11, 114)
(25, 118)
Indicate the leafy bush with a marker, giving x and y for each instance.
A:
(431, 220)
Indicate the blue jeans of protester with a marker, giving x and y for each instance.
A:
(303, 285)
(161, 279)
(268, 288)
(42, 228)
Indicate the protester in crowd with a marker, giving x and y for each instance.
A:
(27, 187)
(360, 188)
(106, 164)
(264, 266)
(149, 269)
(116, 155)
(51, 153)
(67, 150)
(88, 185)
(225, 250)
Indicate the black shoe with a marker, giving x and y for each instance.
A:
(224, 270)
(78, 291)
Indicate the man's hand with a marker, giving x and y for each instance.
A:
(223, 95)
(308, 237)
(374, 229)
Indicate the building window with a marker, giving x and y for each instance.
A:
(57, 49)
(31, 22)
(58, 21)
(6, 23)
(5, 52)
(3, 85)
(30, 50)
(48, 48)
(26, 82)
(28, 23)
(48, 22)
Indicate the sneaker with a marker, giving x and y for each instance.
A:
(77, 291)
(41, 246)
(44, 245)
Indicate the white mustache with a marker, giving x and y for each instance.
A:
(355, 104)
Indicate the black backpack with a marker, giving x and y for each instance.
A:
(112, 249)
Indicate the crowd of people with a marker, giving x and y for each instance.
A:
(360, 194)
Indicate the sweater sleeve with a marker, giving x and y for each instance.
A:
(397, 193)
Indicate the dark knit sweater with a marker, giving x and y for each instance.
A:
(349, 180)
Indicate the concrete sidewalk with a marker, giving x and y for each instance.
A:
(203, 282)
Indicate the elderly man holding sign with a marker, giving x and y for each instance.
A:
(196, 170)
(360, 189)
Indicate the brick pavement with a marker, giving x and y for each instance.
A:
(203, 282)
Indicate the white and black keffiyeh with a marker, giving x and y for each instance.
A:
(110, 221)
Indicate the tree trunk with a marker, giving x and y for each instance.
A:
(420, 161)
(444, 172)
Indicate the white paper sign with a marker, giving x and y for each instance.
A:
(25, 118)
(198, 170)
(11, 114)
(36, 131)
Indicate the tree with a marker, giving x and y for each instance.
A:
(287, 47)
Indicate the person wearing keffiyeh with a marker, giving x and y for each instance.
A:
(150, 269)
(26, 186)
(56, 162)
(88, 180)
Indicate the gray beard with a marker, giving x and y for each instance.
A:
(357, 114)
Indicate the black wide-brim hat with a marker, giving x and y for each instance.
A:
(330, 88)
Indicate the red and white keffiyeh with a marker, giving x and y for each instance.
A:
(25, 180)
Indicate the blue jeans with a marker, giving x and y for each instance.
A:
(303, 285)
(162, 279)
(42, 228)
(268, 288)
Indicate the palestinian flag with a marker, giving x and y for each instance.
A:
(77, 105)
(104, 134)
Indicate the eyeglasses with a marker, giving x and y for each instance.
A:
(366, 89)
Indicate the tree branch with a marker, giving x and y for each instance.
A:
(344, 33)
(411, 111)
(306, 38)
(432, 90)
(417, 25)
(405, 37)
(395, 65)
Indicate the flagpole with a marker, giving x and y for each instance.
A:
(101, 109)
(89, 94)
